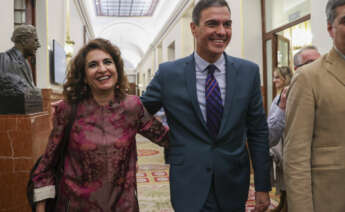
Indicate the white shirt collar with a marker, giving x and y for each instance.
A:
(202, 64)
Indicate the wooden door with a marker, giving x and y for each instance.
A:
(281, 55)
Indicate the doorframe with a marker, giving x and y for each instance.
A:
(270, 36)
(275, 49)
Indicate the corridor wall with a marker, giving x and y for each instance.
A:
(252, 33)
(321, 38)
(6, 20)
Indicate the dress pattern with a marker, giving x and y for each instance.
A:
(100, 162)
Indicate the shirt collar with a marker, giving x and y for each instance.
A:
(339, 52)
(202, 64)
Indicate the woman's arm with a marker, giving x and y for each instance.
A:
(276, 123)
(40, 206)
(43, 177)
(151, 128)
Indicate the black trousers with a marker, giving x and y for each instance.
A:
(211, 203)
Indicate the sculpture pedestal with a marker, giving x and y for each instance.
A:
(23, 139)
(22, 103)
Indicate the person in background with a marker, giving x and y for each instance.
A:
(100, 161)
(314, 144)
(214, 107)
(160, 115)
(305, 55)
(276, 125)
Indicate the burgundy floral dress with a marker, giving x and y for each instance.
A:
(100, 164)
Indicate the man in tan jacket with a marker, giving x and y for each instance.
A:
(314, 146)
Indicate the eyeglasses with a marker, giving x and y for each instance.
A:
(305, 63)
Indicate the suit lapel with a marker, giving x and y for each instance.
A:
(336, 66)
(23, 66)
(190, 79)
(231, 72)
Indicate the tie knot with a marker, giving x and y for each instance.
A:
(211, 68)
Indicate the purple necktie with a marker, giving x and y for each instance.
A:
(214, 105)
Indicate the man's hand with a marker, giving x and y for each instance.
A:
(262, 201)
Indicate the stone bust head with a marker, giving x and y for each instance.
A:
(25, 40)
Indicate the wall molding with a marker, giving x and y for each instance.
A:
(169, 24)
(80, 5)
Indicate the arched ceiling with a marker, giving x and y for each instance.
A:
(133, 35)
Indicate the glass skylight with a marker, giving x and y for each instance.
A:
(125, 8)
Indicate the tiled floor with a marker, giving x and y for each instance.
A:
(153, 180)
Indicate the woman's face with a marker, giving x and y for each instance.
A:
(100, 71)
(278, 80)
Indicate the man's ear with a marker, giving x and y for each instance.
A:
(193, 27)
(330, 30)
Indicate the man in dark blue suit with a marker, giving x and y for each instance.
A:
(213, 104)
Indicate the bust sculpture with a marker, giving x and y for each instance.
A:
(18, 94)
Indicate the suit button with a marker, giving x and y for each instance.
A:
(208, 169)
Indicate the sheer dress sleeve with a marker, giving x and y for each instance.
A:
(151, 128)
(44, 184)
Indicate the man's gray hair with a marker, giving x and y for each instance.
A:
(23, 32)
(297, 60)
(331, 9)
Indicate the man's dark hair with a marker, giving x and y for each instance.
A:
(204, 4)
(331, 9)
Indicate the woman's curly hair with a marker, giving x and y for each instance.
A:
(75, 88)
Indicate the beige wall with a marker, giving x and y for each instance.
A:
(179, 33)
(42, 56)
(77, 27)
(188, 39)
(174, 35)
(56, 21)
(321, 38)
(252, 33)
(6, 17)
(143, 68)
(235, 46)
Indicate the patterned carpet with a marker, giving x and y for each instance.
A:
(153, 180)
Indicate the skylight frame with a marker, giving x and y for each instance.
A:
(125, 8)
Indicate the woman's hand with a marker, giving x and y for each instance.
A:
(283, 97)
(41, 206)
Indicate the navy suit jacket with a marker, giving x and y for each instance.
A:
(195, 156)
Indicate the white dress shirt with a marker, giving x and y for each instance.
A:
(201, 75)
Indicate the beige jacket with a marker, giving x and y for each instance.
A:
(314, 146)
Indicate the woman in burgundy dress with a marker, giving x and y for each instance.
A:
(100, 161)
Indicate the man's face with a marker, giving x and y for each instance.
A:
(337, 29)
(30, 45)
(213, 33)
(308, 56)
